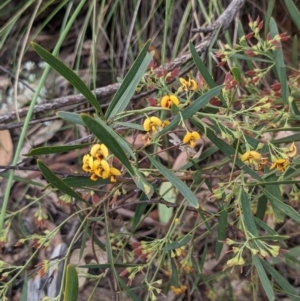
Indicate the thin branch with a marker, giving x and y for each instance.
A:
(222, 22)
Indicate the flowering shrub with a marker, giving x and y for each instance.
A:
(225, 137)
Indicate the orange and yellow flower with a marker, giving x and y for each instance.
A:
(190, 138)
(292, 150)
(99, 151)
(169, 100)
(280, 164)
(189, 85)
(152, 124)
(97, 166)
(250, 157)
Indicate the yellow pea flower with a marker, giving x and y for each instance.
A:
(250, 156)
(99, 151)
(86, 163)
(101, 168)
(280, 164)
(152, 124)
(191, 137)
(292, 150)
(113, 173)
(165, 123)
(188, 85)
(168, 100)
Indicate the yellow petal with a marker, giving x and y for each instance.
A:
(193, 85)
(85, 159)
(174, 99)
(105, 165)
(165, 101)
(255, 155)
(94, 177)
(183, 82)
(155, 120)
(104, 150)
(146, 124)
(105, 174)
(245, 156)
(195, 135)
(115, 171)
(187, 137)
(95, 148)
(91, 162)
(165, 123)
(292, 150)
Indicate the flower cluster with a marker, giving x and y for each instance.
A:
(178, 290)
(255, 158)
(97, 165)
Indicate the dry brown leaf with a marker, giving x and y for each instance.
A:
(137, 141)
(6, 147)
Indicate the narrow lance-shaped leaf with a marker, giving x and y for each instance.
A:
(181, 186)
(71, 284)
(130, 82)
(57, 182)
(265, 282)
(68, 74)
(38, 151)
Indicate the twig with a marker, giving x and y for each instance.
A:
(223, 21)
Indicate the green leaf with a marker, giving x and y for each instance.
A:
(71, 117)
(294, 12)
(286, 209)
(222, 227)
(68, 74)
(174, 275)
(130, 82)
(279, 63)
(247, 213)
(71, 284)
(24, 295)
(129, 125)
(57, 182)
(236, 72)
(45, 150)
(275, 191)
(178, 243)
(198, 104)
(282, 282)
(79, 182)
(181, 186)
(263, 278)
(261, 207)
(201, 66)
(166, 190)
(116, 145)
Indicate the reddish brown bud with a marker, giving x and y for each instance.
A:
(249, 35)
(250, 73)
(260, 25)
